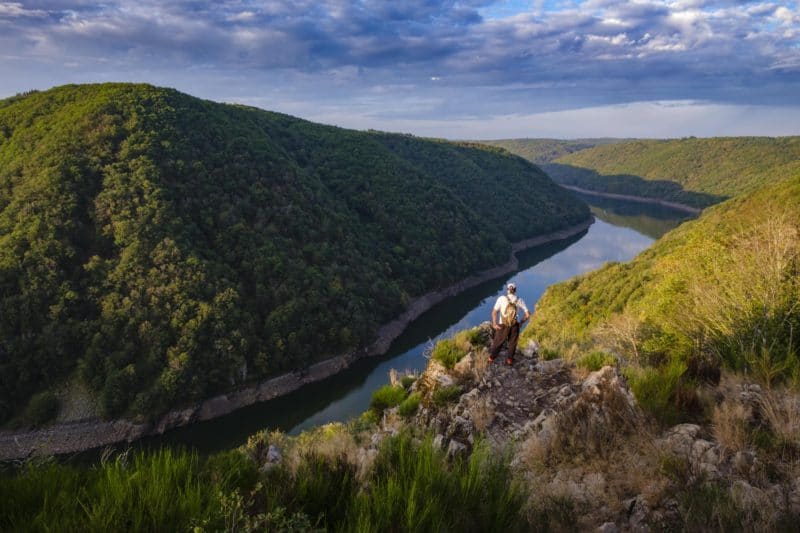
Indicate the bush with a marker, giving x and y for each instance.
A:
(42, 408)
(448, 352)
(444, 395)
(656, 389)
(471, 337)
(386, 397)
(410, 405)
(596, 360)
(548, 354)
(407, 380)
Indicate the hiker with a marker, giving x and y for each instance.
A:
(508, 326)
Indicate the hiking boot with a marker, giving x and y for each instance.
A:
(510, 361)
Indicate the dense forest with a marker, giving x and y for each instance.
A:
(160, 248)
(721, 291)
(695, 172)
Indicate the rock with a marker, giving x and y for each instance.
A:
(608, 527)
(438, 441)
(679, 439)
(456, 448)
(637, 511)
(531, 350)
(274, 454)
(551, 366)
(465, 365)
(743, 461)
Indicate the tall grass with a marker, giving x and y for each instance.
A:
(164, 490)
(414, 488)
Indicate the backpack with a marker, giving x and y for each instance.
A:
(509, 314)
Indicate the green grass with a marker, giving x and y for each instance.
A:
(596, 360)
(160, 491)
(448, 352)
(447, 394)
(387, 397)
(414, 489)
(409, 406)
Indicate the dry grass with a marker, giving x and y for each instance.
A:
(781, 408)
(482, 414)
(594, 485)
(730, 424)
(480, 362)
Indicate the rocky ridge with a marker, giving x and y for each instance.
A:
(578, 440)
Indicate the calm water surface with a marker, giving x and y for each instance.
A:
(622, 230)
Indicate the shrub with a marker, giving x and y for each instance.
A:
(656, 389)
(410, 405)
(448, 352)
(444, 395)
(548, 354)
(407, 380)
(386, 397)
(596, 360)
(42, 408)
(470, 338)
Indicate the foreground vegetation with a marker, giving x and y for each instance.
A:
(409, 485)
(161, 248)
(691, 171)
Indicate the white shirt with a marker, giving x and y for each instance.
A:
(502, 303)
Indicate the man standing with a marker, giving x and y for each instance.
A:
(506, 326)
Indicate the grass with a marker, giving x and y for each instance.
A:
(387, 397)
(164, 490)
(409, 406)
(448, 352)
(444, 395)
(595, 361)
(655, 390)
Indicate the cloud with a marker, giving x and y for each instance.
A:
(474, 58)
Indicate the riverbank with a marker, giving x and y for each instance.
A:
(631, 198)
(87, 434)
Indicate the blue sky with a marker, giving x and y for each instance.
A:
(455, 69)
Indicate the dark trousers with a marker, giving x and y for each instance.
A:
(500, 335)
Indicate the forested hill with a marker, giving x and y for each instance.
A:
(695, 172)
(722, 289)
(161, 248)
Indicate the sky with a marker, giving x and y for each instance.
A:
(471, 69)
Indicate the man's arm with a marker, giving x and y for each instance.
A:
(495, 325)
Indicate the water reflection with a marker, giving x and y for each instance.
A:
(652, 220)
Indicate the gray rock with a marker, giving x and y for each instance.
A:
(438, 441)
(608, 527)
(456, 448)
(274, 454)
(549, 367)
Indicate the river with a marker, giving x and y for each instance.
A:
(622, 230)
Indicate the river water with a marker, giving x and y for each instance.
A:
(622, 230)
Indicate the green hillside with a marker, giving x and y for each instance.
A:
(541, 151)
(722, 289)
(163, 248)
(696, 172)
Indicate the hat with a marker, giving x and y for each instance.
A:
(512, 286)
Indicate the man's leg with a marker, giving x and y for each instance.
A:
(499, 337)
(513, 337)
